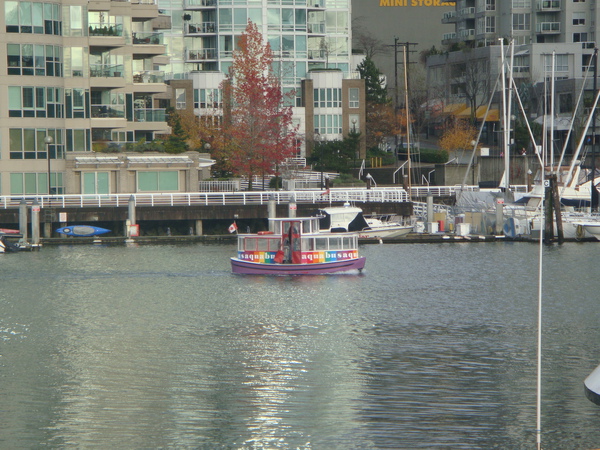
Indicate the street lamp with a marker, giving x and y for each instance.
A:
(48, 140)
(318, 140)
(355, 141)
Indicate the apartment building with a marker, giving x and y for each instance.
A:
(83, 77)
(563, 31)
(307, 38)
(482, 22)
(77, 76)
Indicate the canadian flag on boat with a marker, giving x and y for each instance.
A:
(233, 227)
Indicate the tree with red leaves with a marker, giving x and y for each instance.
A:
(258, 127)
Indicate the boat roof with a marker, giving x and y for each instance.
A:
(345, 208)
(292, 219)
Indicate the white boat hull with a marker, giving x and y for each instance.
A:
(385, 232)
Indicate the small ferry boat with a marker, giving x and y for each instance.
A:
(296, 246)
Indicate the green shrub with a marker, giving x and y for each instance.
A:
(433, 156)
(387, 158)
(346, 179)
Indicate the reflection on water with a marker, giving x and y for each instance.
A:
(434, 346)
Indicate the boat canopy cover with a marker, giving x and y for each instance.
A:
(342, 219)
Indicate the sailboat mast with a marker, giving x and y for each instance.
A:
(509, 114)
(505, 120)
(552, 88)
(407, 119)
(593, 192)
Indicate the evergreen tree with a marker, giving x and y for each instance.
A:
(369, 72)
(176, 142)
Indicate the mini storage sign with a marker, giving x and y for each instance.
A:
(415, 3)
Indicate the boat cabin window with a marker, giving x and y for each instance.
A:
(335, 243)
(253, 244)
(308, 244)
(349, 242)
(321, 244)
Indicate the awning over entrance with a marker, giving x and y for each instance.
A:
(97, 160)
(492, 116)
(203, 162)
(454, 108)
(159, 160)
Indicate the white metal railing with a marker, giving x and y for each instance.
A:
(363, 195)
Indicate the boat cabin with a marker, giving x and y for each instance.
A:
(340, 219)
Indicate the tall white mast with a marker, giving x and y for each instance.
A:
(551, 148)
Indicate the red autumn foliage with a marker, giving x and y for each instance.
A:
(258, 129)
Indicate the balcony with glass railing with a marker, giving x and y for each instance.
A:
(149, 76)
(105, 30)
(316, 28)
(201, 55)
(548, 5)
(316, 54)
(201, 28)
(548, 27)
(467, 12)
(108, 111)
(196, 4)
(449, 17)
(106, 70)
(447, 38)
(147, 38)
(467, 34)
(150, 115)
(318, 4)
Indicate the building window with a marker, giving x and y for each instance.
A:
(579, 18)
(580, 37)
(490, 5)
(353, 97)
(521, 3)
(328, 98)
(561, 64)
(521, 64)
(207, 98)
(490, 24)
(35, 183)
(75, 103)
(521, 22)
(157, 181)
(78, 140)
(30, 59)
(29, 101)
(28, 143)
(180, 99)
(328, 124)
(75, 23)
(33, 18)
(95, 183)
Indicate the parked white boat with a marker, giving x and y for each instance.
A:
(351, 219)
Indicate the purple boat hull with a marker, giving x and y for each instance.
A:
(253, 268)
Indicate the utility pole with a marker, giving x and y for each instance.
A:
(404, 47)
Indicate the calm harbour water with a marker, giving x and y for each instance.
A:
(433, 346)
